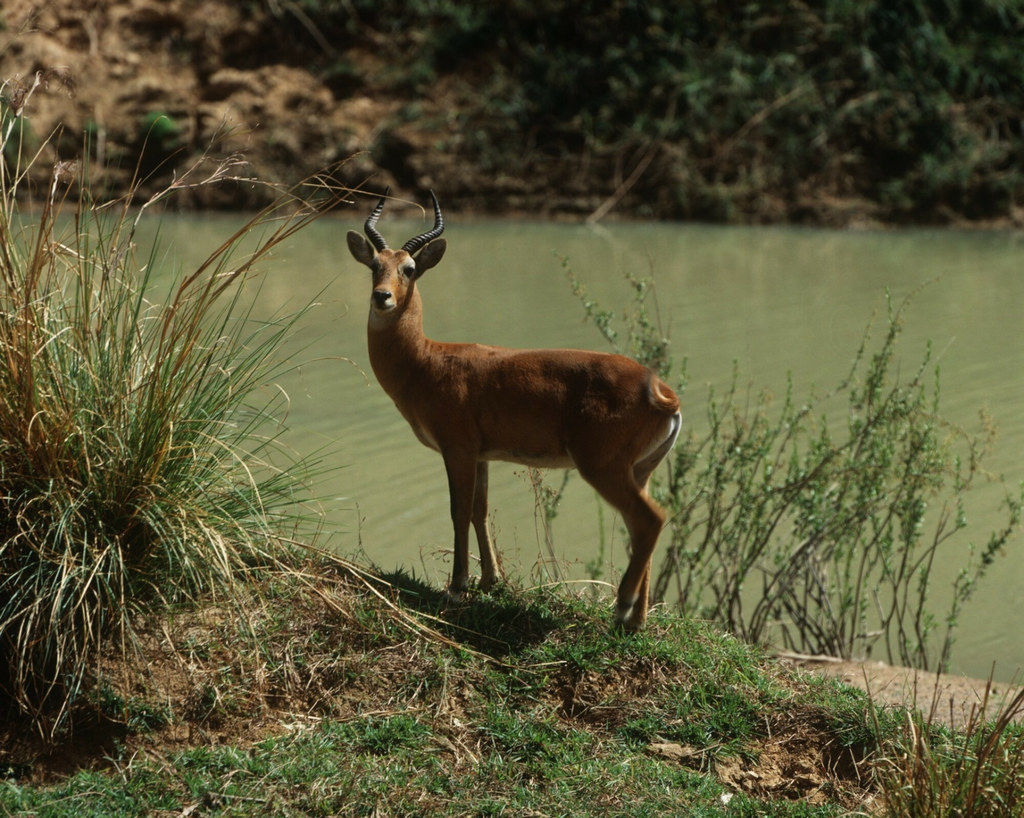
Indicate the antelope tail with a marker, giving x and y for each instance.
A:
(661, 396)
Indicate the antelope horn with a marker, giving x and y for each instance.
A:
(416, 243)
(371, 225)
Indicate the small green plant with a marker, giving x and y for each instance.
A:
(140, 452)
(159, 138)
(546, 499)
(380, 736)
(160, 127)
(135, 713)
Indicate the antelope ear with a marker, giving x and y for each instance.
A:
(430, 255)
(360, 248)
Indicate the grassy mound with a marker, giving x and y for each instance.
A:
(334, 691)
(330, 690)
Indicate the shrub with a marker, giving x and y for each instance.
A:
(784, 531)
(140, 451)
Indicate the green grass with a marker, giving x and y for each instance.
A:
(344, 693)
(348, 694)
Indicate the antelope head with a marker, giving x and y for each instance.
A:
(395, 271)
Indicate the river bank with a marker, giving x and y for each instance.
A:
(510, 111)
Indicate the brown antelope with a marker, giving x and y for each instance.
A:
(603, 414)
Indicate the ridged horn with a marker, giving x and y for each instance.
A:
(370, 228)
(416, 243)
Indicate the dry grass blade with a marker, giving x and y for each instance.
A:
(932, 771)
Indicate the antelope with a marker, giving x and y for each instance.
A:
(605, 415)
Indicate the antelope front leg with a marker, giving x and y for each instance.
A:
(488, 563)
(638, 617)
(461, 489)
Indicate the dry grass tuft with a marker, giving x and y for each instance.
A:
(140, 453)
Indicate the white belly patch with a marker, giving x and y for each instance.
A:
(563, 461)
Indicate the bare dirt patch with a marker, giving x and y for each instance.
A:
(947, 698)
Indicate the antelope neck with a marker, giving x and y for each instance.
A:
(394, 342)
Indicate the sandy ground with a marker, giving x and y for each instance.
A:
(949, 698)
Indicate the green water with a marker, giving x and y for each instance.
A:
(773, 300)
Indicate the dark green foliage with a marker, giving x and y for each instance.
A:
(135, 713)
(728, 111)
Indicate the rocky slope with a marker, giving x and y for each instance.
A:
(155, 83)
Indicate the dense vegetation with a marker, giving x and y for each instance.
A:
(757, 111)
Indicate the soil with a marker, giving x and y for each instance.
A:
(165, 80)
(947, 698)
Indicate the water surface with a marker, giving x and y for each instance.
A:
(773, 300)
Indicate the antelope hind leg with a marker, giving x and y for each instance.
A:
(643, 521)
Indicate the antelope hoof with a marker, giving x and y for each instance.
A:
(486, 584)
(628, 624)
(457, 591)
(623, 620)
(456, 597)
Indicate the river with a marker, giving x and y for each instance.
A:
(775, 301)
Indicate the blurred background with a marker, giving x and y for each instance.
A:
(836, 112)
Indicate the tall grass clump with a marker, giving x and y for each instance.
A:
(788, 528)
(140, 452)
(931, 771)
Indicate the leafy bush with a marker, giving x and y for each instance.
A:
(783, 531)
(140, 452)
